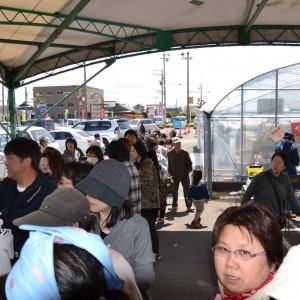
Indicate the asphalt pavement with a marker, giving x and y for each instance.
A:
(186, 269)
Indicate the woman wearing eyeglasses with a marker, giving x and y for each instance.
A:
(247, 247)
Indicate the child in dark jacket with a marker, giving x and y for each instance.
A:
(198, 193)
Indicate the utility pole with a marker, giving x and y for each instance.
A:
(164, 102)
(187, 57)
(26, 96)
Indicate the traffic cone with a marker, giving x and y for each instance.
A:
(189, 131)
(184, 130)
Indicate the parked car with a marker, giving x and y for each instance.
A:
(45, 123)
(35, 133)
(83, 138)
(168, 120)
(148, 123)
(124, 125)
(179, 122)
(109, 130)
(71, 122)
(159, 121)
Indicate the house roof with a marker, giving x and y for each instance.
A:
(121, 109)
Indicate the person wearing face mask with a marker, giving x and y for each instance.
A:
(94, 154)
(169, 144)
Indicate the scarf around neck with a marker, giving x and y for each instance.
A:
(245, 295)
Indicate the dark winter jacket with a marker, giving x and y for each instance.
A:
(292, 152)
(198, 192)
(14, 204)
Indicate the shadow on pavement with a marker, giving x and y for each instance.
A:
(186, 269)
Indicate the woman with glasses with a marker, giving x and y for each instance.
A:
(273, 187)
(247, 248)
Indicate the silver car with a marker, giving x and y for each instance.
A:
(159, 121)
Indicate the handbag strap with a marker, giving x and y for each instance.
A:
(275, 191)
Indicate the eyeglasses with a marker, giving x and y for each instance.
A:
(278, 162)
(239, 254)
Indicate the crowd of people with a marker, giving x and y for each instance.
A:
(84, 226)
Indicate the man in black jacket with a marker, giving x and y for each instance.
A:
(24, 188)
(180, 166)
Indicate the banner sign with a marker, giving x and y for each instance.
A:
(295, 128)
(277, 133)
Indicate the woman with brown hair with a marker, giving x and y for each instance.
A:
(150, 202)
(52, 162)
(247, 247)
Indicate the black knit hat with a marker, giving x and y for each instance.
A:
(197, 173)
(289, 136)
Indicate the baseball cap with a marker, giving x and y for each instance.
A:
(176, 140)
(63, 207)
(109, 181)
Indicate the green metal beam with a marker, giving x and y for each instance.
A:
(66, 22)
(67, 46)
(113, 30)
(108, 64)
(255, 15)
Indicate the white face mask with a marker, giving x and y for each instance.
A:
(169, 147)
(92, 160)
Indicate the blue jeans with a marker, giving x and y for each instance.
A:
(185, 181)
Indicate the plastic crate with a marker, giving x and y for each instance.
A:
(254, 170)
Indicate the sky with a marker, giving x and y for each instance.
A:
(214, 71)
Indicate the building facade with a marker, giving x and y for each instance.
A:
(74, 106)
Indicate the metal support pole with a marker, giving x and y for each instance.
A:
(85, 93)
(164, 87)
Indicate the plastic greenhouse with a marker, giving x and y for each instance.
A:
(236, 133)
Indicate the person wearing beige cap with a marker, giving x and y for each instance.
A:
(180, 166)
(64, 207)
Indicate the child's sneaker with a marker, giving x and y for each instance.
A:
(197, 225)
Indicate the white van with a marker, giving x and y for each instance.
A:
(159, 121)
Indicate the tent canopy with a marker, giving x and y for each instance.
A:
(40, 37)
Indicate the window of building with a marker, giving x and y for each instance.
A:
(49, 93)
(49, 105)
(39, 93)
(70, 104)
(60, 105)
(60, 116)
(59, 93)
